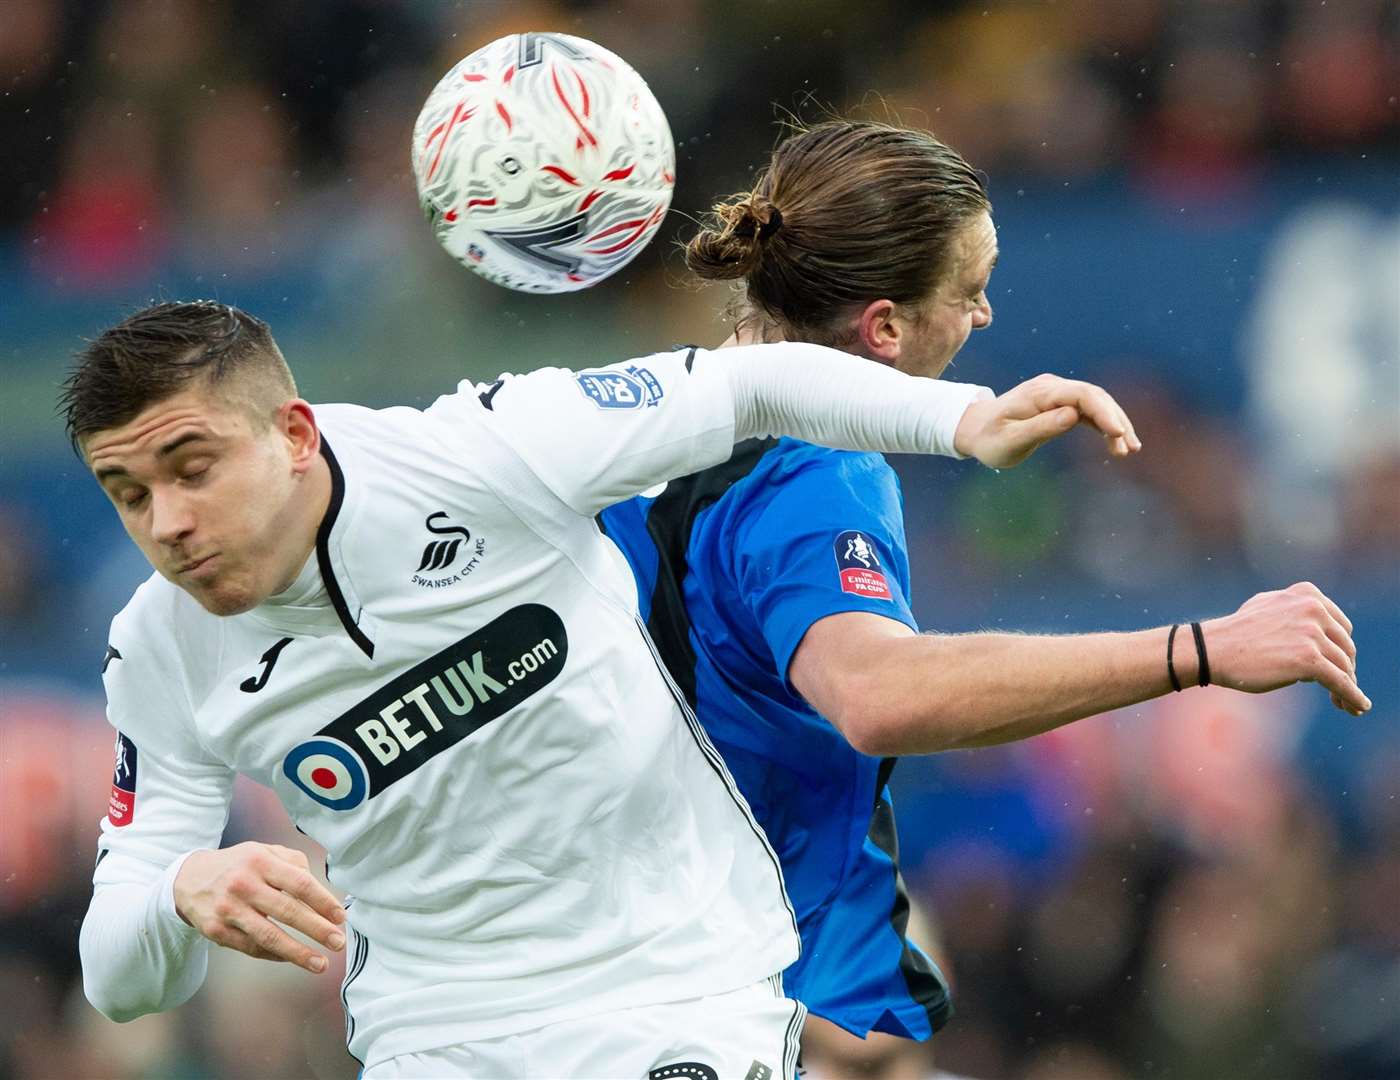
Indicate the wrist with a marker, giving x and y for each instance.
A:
(970, 426)
(1184, 652)
(168, 902)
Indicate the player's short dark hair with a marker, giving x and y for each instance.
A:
(846, 212)
(161, 349)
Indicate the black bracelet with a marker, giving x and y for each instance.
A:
(1203, 670)
(1171, 670)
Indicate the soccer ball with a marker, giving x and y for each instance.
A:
(543, 162)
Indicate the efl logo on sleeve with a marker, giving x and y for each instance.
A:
(859, 567)
(122, 805)
(610, 389)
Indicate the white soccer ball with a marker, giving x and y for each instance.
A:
(543, 162)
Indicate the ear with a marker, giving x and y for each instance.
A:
(878, 333)
(298, 425)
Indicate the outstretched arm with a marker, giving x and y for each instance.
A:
(597, 437)
(833, 399)
(891, 691)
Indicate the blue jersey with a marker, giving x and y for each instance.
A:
(733, 565)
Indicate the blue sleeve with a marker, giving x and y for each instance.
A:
(826, 538)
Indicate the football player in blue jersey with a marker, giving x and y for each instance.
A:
(776, 585)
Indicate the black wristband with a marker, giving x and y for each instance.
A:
(1171, 670)
(1203, 670)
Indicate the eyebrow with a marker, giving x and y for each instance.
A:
(983, 281)
(165, 451)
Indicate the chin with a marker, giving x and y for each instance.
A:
(225, 601)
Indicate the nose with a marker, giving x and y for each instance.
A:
(172, 518)
(982, 315)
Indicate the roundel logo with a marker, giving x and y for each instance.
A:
(329, 771)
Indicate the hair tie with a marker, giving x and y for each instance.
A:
(772, 225)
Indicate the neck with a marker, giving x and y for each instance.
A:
(744, 334)
(313, 496)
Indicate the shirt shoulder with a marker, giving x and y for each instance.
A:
(814, 532)
(393, 432)
(799, 487)
(160, 613)
(808, 459)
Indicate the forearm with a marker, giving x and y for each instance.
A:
(842, 401)
(138, 955)
(934, 692)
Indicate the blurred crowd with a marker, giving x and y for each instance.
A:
(1198, 206)
(228, 133)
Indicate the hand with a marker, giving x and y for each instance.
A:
(1278, 638)
(1004, 431)
(232, 896)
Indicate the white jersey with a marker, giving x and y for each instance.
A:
(474, 726)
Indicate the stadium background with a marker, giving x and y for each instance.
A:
(1197, 203)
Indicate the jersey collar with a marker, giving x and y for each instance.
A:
(330, 556)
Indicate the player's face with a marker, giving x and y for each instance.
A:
(209, 495)
(958, 305)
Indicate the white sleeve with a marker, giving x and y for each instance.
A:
(599, 436)
(834, 399)
(138, 955)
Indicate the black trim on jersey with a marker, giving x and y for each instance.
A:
(490, 392)
(323, 553)
(690, 359)
(669, 523)
(352, 971)
(792, 1039)
(926, 985)
(710, 754)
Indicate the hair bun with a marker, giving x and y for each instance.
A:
(730, 244)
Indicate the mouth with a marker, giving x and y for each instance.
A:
(196, 565)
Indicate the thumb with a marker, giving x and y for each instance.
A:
(1039, 429)
(1017, 440)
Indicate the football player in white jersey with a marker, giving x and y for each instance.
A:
(406, 623)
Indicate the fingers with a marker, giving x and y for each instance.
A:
(1309, 589)
(1334, 673)
(1096, 407)
(1340, 638)
(299, 883)
(264, 939)
(1330, 619)
(1028, 436)
(233, 938)
(291, 855)
(289, 911)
